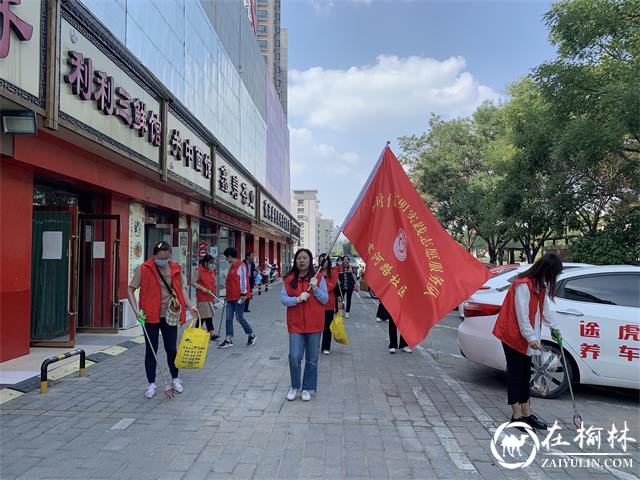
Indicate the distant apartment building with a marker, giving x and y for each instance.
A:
(272, 40)
(305, 206)
(327, 233)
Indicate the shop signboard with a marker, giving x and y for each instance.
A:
(23, 50)
(234, 189)
(100, 97)
(274, 216)
(188, 156)
(295, 230)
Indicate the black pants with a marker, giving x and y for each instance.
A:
(326, 334)
(208, 322)
(393, 336)
(349, 294)
(246, 304)
(169, 339)
(518, 375)
(382, 312)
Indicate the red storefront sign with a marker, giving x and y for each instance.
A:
(209, 211)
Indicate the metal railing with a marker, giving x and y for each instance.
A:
(56, 358)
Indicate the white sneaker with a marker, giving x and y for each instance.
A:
(306, 396)
(325, 352)
(151, 390)
(392, 350)
(177, 385)
(293, 393)
(378, 319)
(346, 315)
(407, 350)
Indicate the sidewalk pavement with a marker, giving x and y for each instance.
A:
(375, 416)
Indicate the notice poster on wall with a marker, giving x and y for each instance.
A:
(136, 236)
(52, 245)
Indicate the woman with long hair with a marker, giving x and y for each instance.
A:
(519, 328)
(204, 281)
(305, 297)
(331, 277)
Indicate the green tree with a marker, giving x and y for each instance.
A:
(457, 166)
(593, 88)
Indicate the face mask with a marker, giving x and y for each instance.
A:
(162, 263)
(210, 266)
(339, 262)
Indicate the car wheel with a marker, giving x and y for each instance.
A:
(372, 295)
(549, 376)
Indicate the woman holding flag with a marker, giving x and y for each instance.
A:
(305, 297)
(204, 281)
(331, 277)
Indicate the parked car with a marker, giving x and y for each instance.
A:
(598, 310)
(505, 278)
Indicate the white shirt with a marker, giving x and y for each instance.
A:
(522, 313)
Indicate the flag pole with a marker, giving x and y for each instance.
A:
(359, 197)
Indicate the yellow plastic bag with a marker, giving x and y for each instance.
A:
(338, 330)
(192, 351)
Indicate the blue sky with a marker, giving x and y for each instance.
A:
(365, 71)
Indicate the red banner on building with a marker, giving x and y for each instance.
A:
(413, 265)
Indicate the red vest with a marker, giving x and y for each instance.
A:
(306, 317)
(233, 282)
(506, 328)
(206, 278)
(150, 294)
(332, 281)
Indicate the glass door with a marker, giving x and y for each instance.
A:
(54, 275)
(99, 272)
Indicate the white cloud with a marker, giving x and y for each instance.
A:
(309, 155)
(395, 91)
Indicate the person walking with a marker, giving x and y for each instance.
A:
(347, 283)
(519, 325)
(331, 277)
(237, 283)
(384, 314)
(204, 281)
(251, 271)
(160, 283)
(305, 297)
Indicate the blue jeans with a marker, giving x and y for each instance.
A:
(307, 345)
(238, 309)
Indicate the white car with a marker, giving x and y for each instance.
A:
(598, 311)
(505, 279)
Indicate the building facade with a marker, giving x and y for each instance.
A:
(327, 232)
(305, 206)
(272, 40)
(149, 124)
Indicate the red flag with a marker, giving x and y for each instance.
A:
(413, 265)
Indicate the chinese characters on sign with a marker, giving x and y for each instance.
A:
(233, 188)
(89, 84)
(11, 22)
(436, 270)
(273, 215)
(193, 156)
(626, 333)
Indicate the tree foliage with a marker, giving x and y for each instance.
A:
(563, 154)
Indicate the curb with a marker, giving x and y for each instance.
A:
(33, 383)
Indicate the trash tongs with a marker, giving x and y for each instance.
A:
(168, 386)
